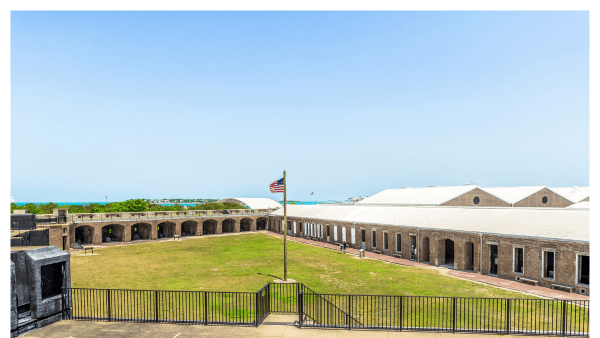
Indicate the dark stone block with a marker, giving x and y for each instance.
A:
(21, 281)
(48, 321)
(13, 297)
(44, 267)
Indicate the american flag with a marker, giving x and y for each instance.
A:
(277, 186)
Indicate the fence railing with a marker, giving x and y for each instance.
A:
(151, 215)
(453, 314)
(410, 313)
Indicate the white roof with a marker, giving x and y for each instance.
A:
(573, 194)
(580, 205)
(254, 203)
(513, 195)
(417, 196)
(554, 223)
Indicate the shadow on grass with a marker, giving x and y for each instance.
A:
(266, 274)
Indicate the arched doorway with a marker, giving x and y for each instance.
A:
(84, 234)
(140, 231)
(425, 250)
(209, 227)
(228, 225)
(261, 224)
(166, 229)
(189, 228)
(246, 224)
(112, 233)
(469, 256)
(446, 253)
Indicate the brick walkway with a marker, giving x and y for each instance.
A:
(495, 281)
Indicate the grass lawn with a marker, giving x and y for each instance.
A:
(247, 262)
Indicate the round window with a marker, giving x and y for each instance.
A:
(544, 199)
(476, 200)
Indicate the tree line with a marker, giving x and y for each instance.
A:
(132, 205)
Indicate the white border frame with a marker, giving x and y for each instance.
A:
(544, 250)
(515, 247)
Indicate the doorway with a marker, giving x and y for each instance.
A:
(493, 259)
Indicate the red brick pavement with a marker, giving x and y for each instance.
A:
(495, 281)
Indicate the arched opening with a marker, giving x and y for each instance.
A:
(112, 233)
(84, 234)
(209, 227)
(140, 231)
(246, 224)
(166, 229)
(446, 253)
(189, 228)
(469, 256)
(425, 250)
(228, 225)
(261, 223)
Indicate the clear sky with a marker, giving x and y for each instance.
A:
(218, 104)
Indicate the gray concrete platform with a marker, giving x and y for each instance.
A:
(273, 326)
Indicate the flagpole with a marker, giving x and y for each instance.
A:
(285, 229)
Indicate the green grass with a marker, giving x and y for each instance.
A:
(247, 262)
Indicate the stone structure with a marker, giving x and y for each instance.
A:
(36, 288)
(476, 239)
(96, 229)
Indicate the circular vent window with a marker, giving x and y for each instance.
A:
(476, 200)
(544, 199)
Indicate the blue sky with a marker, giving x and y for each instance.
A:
(218, 104)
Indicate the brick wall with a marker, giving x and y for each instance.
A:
(468, 249)
(485, 200)
(536, 200)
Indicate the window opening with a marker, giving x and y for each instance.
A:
(385, 241)
(398, 242)
(519, 260)
(374, 238)
(584, 270)
(549, 264)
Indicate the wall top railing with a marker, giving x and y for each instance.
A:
(154, 215)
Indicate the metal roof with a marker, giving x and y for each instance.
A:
(573, 194)
(254, 203)
(550, 223)
(579, 205)
(513, 195)
(434, 195)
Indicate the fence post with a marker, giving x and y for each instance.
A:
(348, 313)
(300, 308)
(108, 296)
(205, 308)
(507, 316)
(453, 314)
(401, 314)
(564, 318)
(156, 305)
(257, 309)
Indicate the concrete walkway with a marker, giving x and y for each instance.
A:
(475, 277)
(271, 327)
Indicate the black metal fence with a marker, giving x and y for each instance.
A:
(410, 313)
(452, 314)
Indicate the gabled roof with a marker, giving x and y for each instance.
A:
(513, 195)
(579, 205)
(554, 223)
(435, 195)
(573, 194)
(254, 203)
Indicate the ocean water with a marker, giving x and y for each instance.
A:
(87, 203)
(188, 204)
